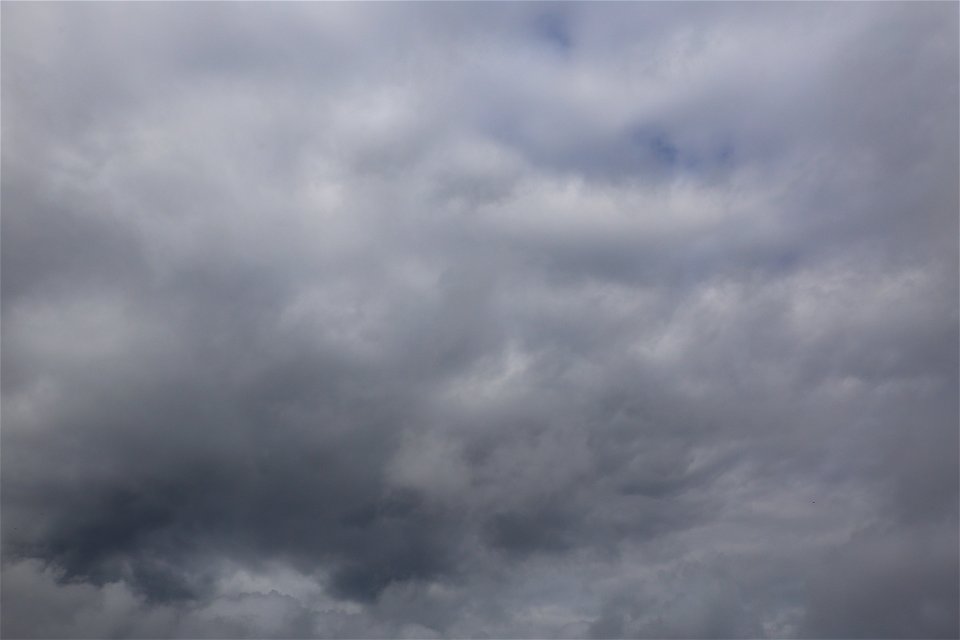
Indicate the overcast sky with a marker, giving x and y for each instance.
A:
(505, 320)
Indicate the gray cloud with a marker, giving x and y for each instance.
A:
(532, 320)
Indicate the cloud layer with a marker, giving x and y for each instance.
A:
(512, 320)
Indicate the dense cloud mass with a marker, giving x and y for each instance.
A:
(510, 320)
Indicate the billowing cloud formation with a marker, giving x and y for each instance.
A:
(532, 320)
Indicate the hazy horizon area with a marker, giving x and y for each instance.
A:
(503, 320)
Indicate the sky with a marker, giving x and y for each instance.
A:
(628, 320)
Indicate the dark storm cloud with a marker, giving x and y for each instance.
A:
(523, 320)
(879, 585)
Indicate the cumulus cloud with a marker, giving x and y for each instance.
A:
(532, 320)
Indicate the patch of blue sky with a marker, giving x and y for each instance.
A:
(552, 27)
(669, 153)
